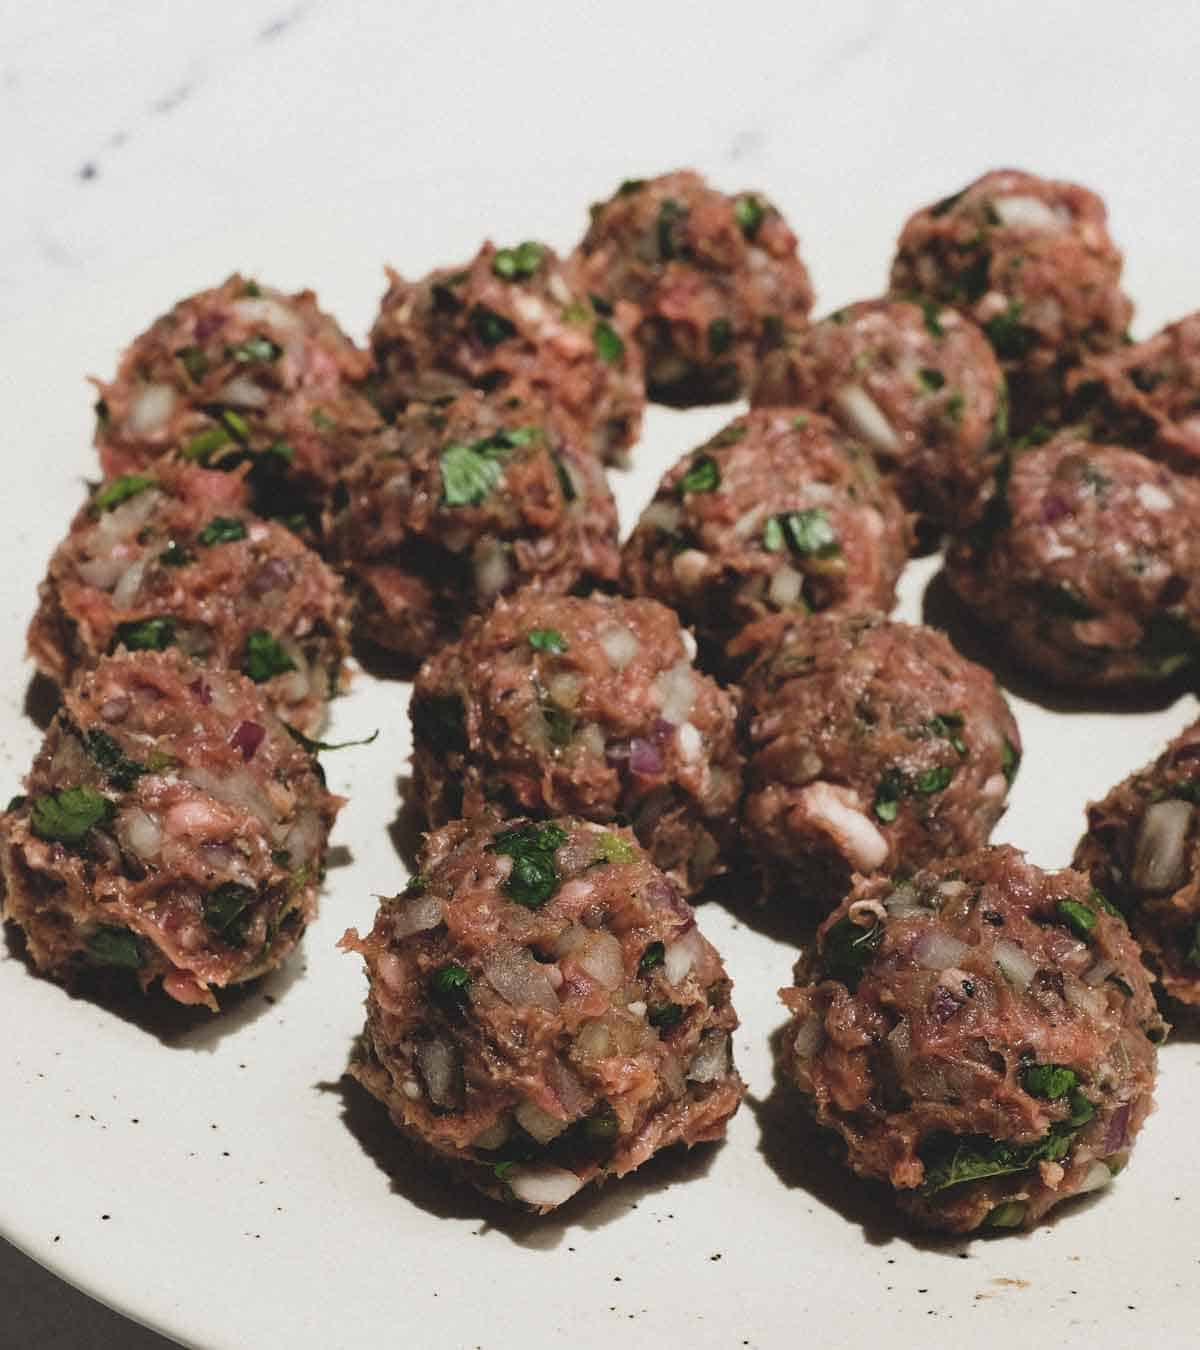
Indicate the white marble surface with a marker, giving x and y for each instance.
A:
(176, 141)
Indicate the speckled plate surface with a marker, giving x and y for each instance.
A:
(219, 1179)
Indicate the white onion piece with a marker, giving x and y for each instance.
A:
(1153, 498)
(1084, 999)
(809, 1036)
(438, 1063)
(826, 806)
(263, 309)
(541, 1124)
(711, 1061)
(689, 568)
(602, 958)
(865, 416)
(493, 1136)
(519, 979)
(103, 573)
(681, 955)
(1095, 1179)
(1030, 213)
(418, 915)
(235, 787)
(242, 392)
(304, 838)
(129, 585)
(903, 902)
(1158, 856)
(493, 571)
(935, 950)
(564, 688)
(123, 522)
(594, 1041)
(620, 646)
(746, 524)
(152, 405)
(689, 643)
(690, 742)
(1100, 972)
(676, 690)
(568, 940)
(661, 516)
(544, 1186)
(785, 587)
(1015, 965)
(143, 834)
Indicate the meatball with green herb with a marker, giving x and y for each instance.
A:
(779, 512)
(918, 384)
(514, 321)
(871, 746)
(470, 501)
(1030, 260)
(243, 374)
(1086, 559)
(714, 277)
(173, 558)
(982, 1036)
(1142, 849)
(171, 828)
(542, 1011)
(552, 705)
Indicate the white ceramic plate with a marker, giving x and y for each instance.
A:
(218, 1179)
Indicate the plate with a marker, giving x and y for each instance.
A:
(219, 1178)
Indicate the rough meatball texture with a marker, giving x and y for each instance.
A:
(780, 511)
(172, 827)
(1142, 850)
(471, 501)
(982, 1036)
(872, 746)
(920, 386)
(1146, 395)
(1086, 559)
(714, 279)
(553, 705)
(173, 558)
(243, 374)
(516, 320)
(542, 1009)
(1031, 261)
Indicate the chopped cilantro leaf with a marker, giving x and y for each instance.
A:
(951, 1160)
(66, 816)
(489, 327)
(702, 476)
(772, 536)
(1010, 761)
(194, 361)
(934, 780)
(115, 947)
(547, 640)
(810, 534)
(609, 347)
(449, 984)
(1077, 916)
(1050, 1081)
(654, 955)
(631, 185)
(205, 442)
(890, 788)
(145, 635)
(264, 657)
(225, 911)
(222, 530)
(931, 378)
(931, 310)
(315, 747)
(470, 472)
(948, 726)
(534, 876)
(257, 348)
(515, 264)
(720, 337)
(611, 848)
(120, 490)
(665, 1015)
(847, 949)
(120, 770)
(749, 214)
(1010, 338)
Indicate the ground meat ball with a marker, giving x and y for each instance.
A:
(514, 319)
(1086, 558)
(1031, 261)
(543, 1011)
(552, 705)
(173, 558)
(920, 386)
(1142, 850)
(243, 373)
(872, 745)
(778, 512)
(1146, 395)
(714, 279)
(172, 828)
(471, 501)
(982, 1036)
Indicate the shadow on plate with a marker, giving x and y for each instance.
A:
(795, 925)
(423, 1179)
(177, 1025)
(941, 608)
(382, 662)
(42, 700)
(407, 828)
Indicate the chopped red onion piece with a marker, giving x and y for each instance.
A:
(247, 737)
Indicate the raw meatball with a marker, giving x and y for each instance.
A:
(872, 746)
(542, 1010)
(1031, 261)
(1086, 559)
(779, 511)
(472, 501)
(518, 320)
(1146, 395)
(1142, 850)
(172, 828)
(173, 558)
(243, 373)
(591, 707)
(714, 278)
(982, 1036)
(920, 386)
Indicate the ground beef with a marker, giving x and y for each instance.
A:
(982, 1036)
(173, 558)
(172, 827)
(714, 278)
(780, 511)
(871, 746)
(1142, 850)
(243, 373)
(1086, 558)
(543, 1011)
(1146, 395)
(471, 501)
(552, 705)
(517, 320)
(920, 386)
(1031, 261)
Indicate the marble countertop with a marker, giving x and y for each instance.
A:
(141, 132)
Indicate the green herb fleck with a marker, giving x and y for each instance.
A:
(316, 747)
(565, 483)
(933, 324)
(1102, 902)
(120, 490)
(772, 536)
(222, 530)
(631, 185)
(934, 780)
(194, 361)
(810, 534)
(749, 214)
(470, 472)
(560, 724)
(534, 876)
(201, 446)
(611, 848)
(174, 555)
(489, 327)
(547, 640)
(1010, 338)
(951, 1160)
(115, 947)
(1010, 761)
(609, 347)
(257, 348)
(121, 771)
(264, 657)
(1077, 916)
(847, 949)
(1011, 1214)
(890, 788)
(948, 727)
(225, 911)
(720, 337)
(931, 378)
(145, 635)
(449, 984)
(665, 1015)
(515, 264)
(654, 955)
(66, 816)
(702, 476)
(1050, 1081)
